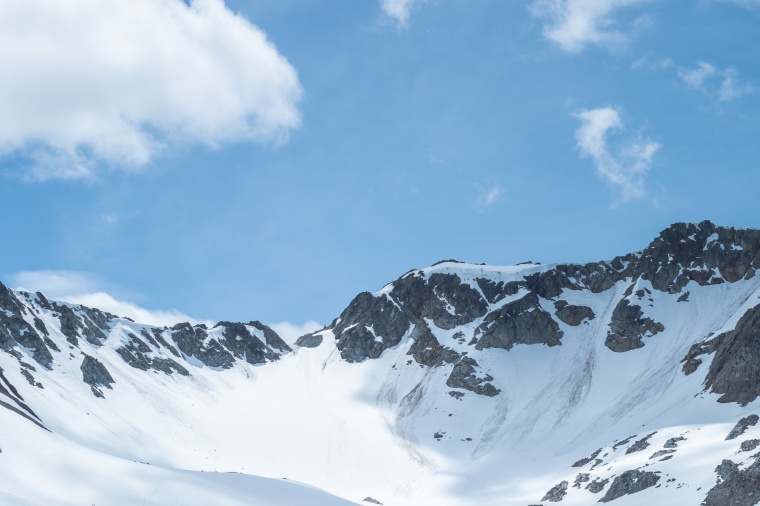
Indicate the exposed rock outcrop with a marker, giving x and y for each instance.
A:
(742, 426)
(523, 321)
(573, 315)
(628, 326)
(95, 374)
(735, 368)
(465, 376)
(737, 487)
(557, 493)
(630, 482)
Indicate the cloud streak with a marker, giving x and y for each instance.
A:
(77, 287)
(624, 166)
(399, 10)
(576, 24)
(117, 83)
(722, 83)
(488, 197)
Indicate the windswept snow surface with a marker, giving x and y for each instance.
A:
(386, 428)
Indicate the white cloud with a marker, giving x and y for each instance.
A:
(575, 24)
(696, 78)
(721, 83)
(731, 88)
(84, 288)
(624, 167)
(289, 332)
(92, 83)
(399, 10)
(488, 196)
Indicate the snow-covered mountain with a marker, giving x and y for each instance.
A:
(633, 381)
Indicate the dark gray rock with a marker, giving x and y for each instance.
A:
(673, 442)
(354, 339)
(191, 341)
(640, 445)
(426, 349)
(742, 426)
(630, 482)
(691, 362)
(557, 492)
(623, 442)
(158, 339)
(749, 445)
(312, 340)
(584, 461)
(628, 326)
(95, 374)
(580, 479)
(573, 315)
(523, 321)
(69, 323)
(271, 338)
(494, 292)
(464, 376)
(735, 369)
(14, 330)
(244, 345)
(139, 355)
(597, 485)
(371, 500)
(735, 487)
(442, 298)
(661, 453)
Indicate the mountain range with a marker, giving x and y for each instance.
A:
(633, 381)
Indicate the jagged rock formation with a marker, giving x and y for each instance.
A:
(27, 322)
(742, 426)
(630, 482)
(735, 486)
(487, 360)
(735, 369)
(557, 493)
(95, 374)
(640, 445)
(629, 326)
(424, 305)
(571, 314)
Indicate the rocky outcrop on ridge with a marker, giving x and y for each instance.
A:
(735, 486)
(742, 426)
(735, 368)
(423, 306)
(630, 482)
(33, 326)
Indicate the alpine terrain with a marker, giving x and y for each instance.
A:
(631, 381)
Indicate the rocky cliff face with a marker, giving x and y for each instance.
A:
(29, 324)
(489, 310)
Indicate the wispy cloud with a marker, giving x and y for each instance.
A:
(696, 78)
(399, 10)
(76, 287)
(116, 83)
(722, 83)
(576, 24)
(488, 196)
(625, 165)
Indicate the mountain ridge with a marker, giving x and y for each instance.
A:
(421, 392)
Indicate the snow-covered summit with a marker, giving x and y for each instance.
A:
(457, 384)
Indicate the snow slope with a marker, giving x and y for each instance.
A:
(398, 425)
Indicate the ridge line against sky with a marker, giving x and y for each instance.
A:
(228, 158)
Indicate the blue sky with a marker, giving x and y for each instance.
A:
(270, 159)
